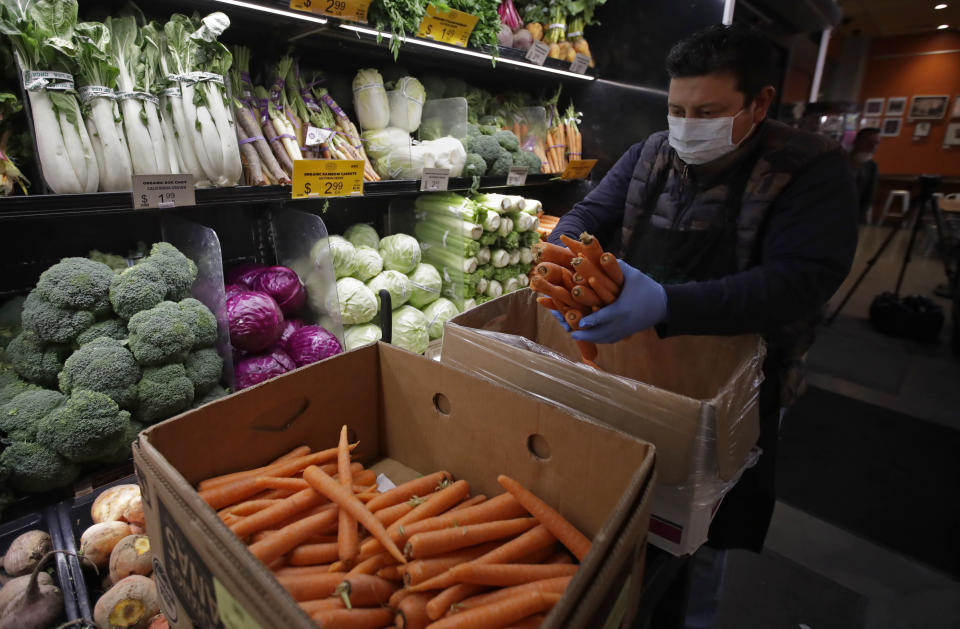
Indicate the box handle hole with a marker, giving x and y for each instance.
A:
(441, 403)
(538, 446)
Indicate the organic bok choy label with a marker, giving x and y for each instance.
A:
(353, 10)
(327, 178)
(449, 27)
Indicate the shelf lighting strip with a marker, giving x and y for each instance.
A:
(297, 15)
(469, 53)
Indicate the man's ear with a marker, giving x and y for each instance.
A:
(762, 103)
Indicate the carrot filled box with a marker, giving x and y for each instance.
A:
(380, 488)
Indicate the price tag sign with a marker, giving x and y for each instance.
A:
(580, 64)
(327, 178)
(163, 191)
(449, 27)
(317, 136)
(578, 168)
(517, 175)
(434, 179)
(538, 53)
(353, 10)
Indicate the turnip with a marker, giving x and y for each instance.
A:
(130, 604)
(131, 555)
(134, 513)
(522, 39)
(97, 542)
(113, 502)
(25, 551)
(31, 601)
(505, 36)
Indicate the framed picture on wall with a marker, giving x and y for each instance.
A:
(869, 123)
(896, 105)
(952, 137)
(873, 106)
(921, 130)
(956, 108)
(928, 107)
(891, 127)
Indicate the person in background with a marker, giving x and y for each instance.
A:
(726, 223)
(865, 169)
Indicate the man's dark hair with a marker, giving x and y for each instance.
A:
(862, 133)
(741, 51)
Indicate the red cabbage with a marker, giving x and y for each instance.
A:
(245, 274)
(232, 289)
(254, 319)
(312, 343)
(255, 369)
(284, 286)
(289, 327)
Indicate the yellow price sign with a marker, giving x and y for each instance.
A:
(449, 27)
(327, 178)
(577, 168)
(353, 10)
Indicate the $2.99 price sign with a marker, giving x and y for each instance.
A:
(353, 10)
(327, 178)
(449, 27)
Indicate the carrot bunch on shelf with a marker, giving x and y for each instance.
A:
(425, 554)
(576, 280)
(547, 224)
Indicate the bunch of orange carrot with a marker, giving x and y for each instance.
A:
(576, 280)
(425, 554)
(547, 224)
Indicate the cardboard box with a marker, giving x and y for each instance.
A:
(693, 397)
(410, 415)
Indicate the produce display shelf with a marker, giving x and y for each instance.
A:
(52, 205)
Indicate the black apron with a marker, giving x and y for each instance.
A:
(673, 256)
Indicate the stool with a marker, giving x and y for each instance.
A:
(904, 196)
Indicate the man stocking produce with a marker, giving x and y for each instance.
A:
(727, 223)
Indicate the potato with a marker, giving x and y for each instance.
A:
(130, 604)
(110, 505)
(131, 555)
(97, 542)
(134, 512)
(25, 551)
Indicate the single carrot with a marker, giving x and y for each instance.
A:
(588, 351)
(506, 575)
(573, 245)
(347, 535)
(308, 587)
(606, 296)
(367, 496)
(502, 507)
(248, 508)
(500, 613)
(393, 513)
(365, 590)
(590, 270)
(416, 572)
(401, 493)
(365, 478)
(558, 294)
(289, 537)
(580, 280)
(274, 494)
(346, 500)
(298, 451)
(556, 585)
(548, 303)
(442, 602)
(313, 554)
(396, 597)
(550, 271)
(314, 606)
(443, 541)
(591, 248)
(469, 502)
(301, 570)
(390, 573)
(412, 612)
(585, 296)
(549, 252)
(296, 484)
(530, 622)
(277, 564)
(288, 467)
(373, 564)
(566, 533)
(573, 318)
(353, 618)
(559, 558)
(277, 513)
(608, 262)
(306, 514)
(567, 278)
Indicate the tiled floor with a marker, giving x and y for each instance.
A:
(851, 359)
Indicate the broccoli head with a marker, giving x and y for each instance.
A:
(213, 394)
(123, 449)
(178, 271)
(501, 166)
(489, 129)
(528, 159)
(507, 140)
(104, 365)
(163, 392)
(473, 131)
(34, 468)
(160, 335)
(77, 284)
(204, 367)
(10, 325)
(202, 322)
(140, 287)
(110, 328)
(11, 385)
(474, 166)
(35, 361)
(112, 260)
(51, 323)
(20, 416)
(486, 147)
(88, 425)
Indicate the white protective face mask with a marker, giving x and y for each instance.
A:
(702, 140)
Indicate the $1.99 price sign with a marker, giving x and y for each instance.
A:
(449, 27)
(163, 191)
(353, 10)
(327, 178)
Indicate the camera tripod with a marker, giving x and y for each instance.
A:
(919, 206)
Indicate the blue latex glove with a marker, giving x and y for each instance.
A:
(642, 304)
(559, 317)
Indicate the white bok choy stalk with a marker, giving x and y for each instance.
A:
(97, 77)
(171, 101)
(150, 78)
(41, 34)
